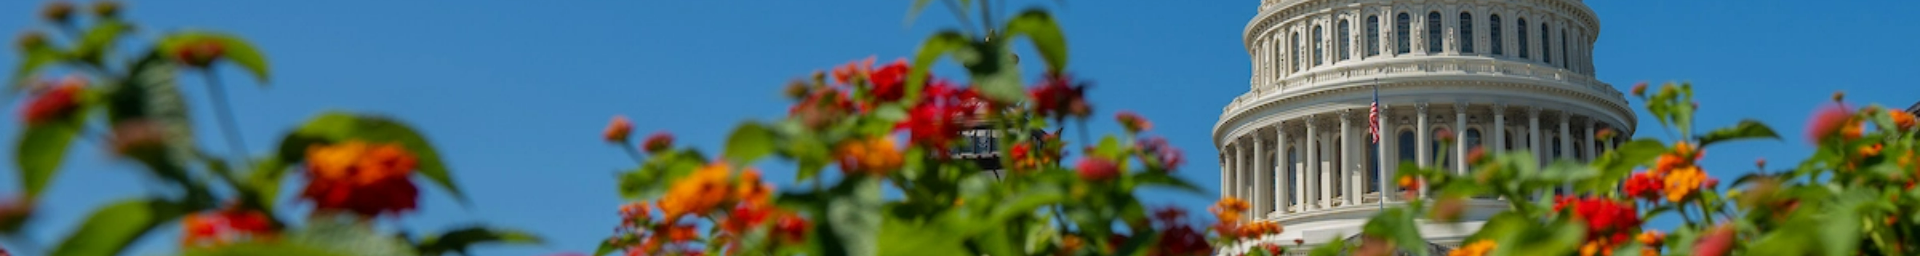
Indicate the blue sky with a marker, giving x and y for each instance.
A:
(515, 92)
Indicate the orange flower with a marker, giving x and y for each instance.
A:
(618, 129)
(1596, 247)
(751, 189)
(1902, 119)
(659, 141)
(1683, 182)
(698, 193)
(1477, 248)
(360, 177)
(224, 226)
(1640, 89)
(875, 156)
(60, 101)
(1870, 150)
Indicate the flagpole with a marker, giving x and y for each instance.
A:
(1381, 172)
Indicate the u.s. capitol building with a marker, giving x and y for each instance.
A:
(1511, 75)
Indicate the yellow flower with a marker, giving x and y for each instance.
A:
(1682, 182)
(1477, 248)
(698, 193)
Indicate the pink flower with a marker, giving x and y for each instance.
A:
(1831, 120)
(1097, 169)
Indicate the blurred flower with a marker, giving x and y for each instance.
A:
(659, 141)
(845, 74)
(889, 82)
(1097, 169)
(617, 130)
(58, 12)
(1605, 134)
(753, 190)
(364, 178)
(698, 193)
(1902, 119)
(1372, 245)
(632, 214)
(30, 40)
(1477, 154)
(1644, 185)
(1443, 135)
(62, 99)
(1717, 241)
(107, 8)
(1651, 238)
(1477, 248)
(1181, 240)
(876, 156)
(1640, 89)
(1133, 122)
(1870, 150)
(1058, 96)
(791, 228)
(209, 229)
(14, 212)
(747, 215)
(1683, 182)
(936, 120)
(1274, 249)
(1606, 219)
(1760, 163)
(199, 53)
(821, 107)
(1162, 154)
(1448, 209)
(1833, 120)
(1596, 248)
(1839, 96)
(681, 233)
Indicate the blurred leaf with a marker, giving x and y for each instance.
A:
(260, 248)
(1040, 28)
(749, 142)
(940, 44)
(994, 73)
(1396, 225)
(33, 60)
(607, 246)
(93, 46)
(42, 147)
(233, 48)
(151, 94)
(460, 239)
(1331, 248)
(654, 176)
(344, 235)
(1746, 129)
(110, 229)
(900, 237)
(333, 127)
(853, 218)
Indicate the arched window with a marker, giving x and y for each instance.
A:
(1546, 44)
(1373, 36)
(1556, 147)
(1473, 138)
(1403, 28)
(1319, 46)
(1494, 21)
(1565, 62)
(1466, 33)
(1433, 151)
(1523, 38)
(1340, 36)
(1295, 49)
(1433, 33)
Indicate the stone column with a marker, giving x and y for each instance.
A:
(1262, 177)
(1566, 136)
(1533, 133)
(1224, 166)
(1281, 201)
(1316, 187)
(1499, 127)
(1421, 148)
(1328, 172)
(1460, 137)
(1346, 169)
(1230, 184)
(1592, 141)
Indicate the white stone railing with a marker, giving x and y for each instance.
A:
(1423, 66)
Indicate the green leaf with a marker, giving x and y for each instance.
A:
(34, 59)
(1040, 28)
(151, 94)
(335, 127)
(110, 229)
(42, 147)
(233, 48)
(460, 239)
(98, 40)
(940, 44)
(260, 248)
(900, 237)
(346, 235)
(994, 73)
(913, 12)
(853, 220)
(749, 142)
(1746, 129)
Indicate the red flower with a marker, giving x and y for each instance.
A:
(359, 177)
(1182, 240)
(1833, 120)
(821, 107)
(1606, 219)
(659, 141)
(1097, 169)
(1644, 185)
(791, 228)
(199, 53)
(1640, 89)
(59, 102)
(936, 120)
(889, 82)
(1132, 121)
(1475, 155)
(746, 215)
(1717, 242)
(1059, 96)
(618, 129)
(224, 226)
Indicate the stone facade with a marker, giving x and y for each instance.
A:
(1496, 74)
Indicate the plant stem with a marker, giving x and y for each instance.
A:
(986, 18)
(958, 13)
(632, 152)
(229, 127)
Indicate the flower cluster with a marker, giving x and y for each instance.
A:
(225, 226)
(1059, 96)
(1229, 212)
(1156, 152)
(875, 156)
(1178, 237)
(58, 100)
(737, 206)
(1476, 248)
(938, 117)
(1608, 222)
(1678, 173)
(360, 177)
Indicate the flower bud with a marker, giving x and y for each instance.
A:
(31, 40)
(618, 129)
(199, 53)
(1838, 96)
(1640, 89)
(107, 9)
(60, 12)
(658, 142)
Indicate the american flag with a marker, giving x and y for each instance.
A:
(1373, 116)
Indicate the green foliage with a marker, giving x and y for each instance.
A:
(340, 126)
(42, 147)
(233, 48)
(110, 229)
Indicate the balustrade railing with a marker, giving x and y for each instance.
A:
(1392, 67)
